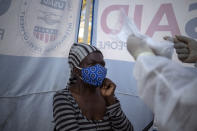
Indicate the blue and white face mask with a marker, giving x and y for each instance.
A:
(93, 75)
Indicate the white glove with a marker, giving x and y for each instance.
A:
(137, 46)
(186, 48)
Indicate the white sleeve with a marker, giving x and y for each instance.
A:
(170, 90)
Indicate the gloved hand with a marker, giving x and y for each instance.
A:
(137, 46)
(186, 48)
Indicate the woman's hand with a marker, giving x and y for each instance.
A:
(107, 91)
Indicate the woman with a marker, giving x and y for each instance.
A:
(88, 101)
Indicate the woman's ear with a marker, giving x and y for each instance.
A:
(76, 71)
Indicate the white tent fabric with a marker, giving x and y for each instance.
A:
(35, 37)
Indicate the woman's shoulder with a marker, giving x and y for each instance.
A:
(63, 93)
(64, 96)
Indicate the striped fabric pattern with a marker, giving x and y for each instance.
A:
(68, 116)
(78, 52)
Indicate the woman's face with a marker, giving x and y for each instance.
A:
(92, 59)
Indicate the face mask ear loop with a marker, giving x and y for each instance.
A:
(79, 69)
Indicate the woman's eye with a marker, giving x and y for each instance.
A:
(89, 65)
(103, 63)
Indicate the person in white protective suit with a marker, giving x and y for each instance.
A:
(168, 88)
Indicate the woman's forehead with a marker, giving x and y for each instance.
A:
(94, 56)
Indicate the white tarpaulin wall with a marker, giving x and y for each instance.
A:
(155, 18)
(35, 37)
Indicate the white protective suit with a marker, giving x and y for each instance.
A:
(170, 90)
(167, 87)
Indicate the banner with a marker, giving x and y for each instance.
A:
(35, 38)
(37, 28)
(153, 18)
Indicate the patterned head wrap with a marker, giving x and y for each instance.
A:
(78, 52)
